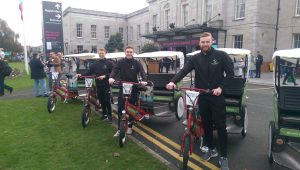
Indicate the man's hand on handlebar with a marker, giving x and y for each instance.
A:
(101, 77)
(171, 86)
(111, 81)
(217, 91)
(78, 75)
(144, 83)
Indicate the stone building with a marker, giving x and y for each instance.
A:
(177, 24)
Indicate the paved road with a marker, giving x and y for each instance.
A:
(163, 136)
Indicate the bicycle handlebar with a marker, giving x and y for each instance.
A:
(201, 91)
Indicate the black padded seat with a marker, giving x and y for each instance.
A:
(233, 91)
(160, 80)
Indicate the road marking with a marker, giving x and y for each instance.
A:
(260, 88)
(177, 146)
(165, 148)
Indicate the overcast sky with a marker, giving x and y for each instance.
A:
(9, 11)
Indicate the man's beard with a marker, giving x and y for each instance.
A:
(205, 49)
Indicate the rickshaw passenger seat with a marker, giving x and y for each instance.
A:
(233, 91)
(289, 98)
(160, 80)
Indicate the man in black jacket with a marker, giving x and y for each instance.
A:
(39, 75)
(209, 66)
(128, 68)
(101, 69)
(258, 62)
(3, 86)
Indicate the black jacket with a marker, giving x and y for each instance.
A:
(128, 70)
(99, 68)
(37, 69)
(209, 69)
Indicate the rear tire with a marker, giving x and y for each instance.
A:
(186, 151)
(179, 108)
(51, 104)
(85, 118)
(245, 121)
(122, 136)
(270, 140)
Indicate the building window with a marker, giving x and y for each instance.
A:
(238, 41)
(94, 49)
(79, 30)
(167, 18)
(106, 32)
(79, 48)
(154, 20)
(240, 9)
(296, 40)
(208, 9)
(138, 31)
(131, 33)
(298, 8)
(185, 14)
(121, 31)
(93, 31)
(147, 28)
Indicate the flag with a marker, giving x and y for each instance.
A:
(21, 8)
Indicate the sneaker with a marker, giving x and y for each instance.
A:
(45, 95)
(129, 131)
(211, 153)
(224, 163)
(185, 122)
(117, 133)
(205, 149)
(104, 117)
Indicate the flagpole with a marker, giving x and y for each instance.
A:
(25, 49)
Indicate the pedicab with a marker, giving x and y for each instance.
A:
(153, 94)
(161, 95)
(235, 91)
(284, 129)
(68, 86)
(91, 95)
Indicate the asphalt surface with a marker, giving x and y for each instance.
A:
(248, 152)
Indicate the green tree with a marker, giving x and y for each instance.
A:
(115, 43)
(150, 47)
(8, 38)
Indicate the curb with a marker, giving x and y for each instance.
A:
(146, 148)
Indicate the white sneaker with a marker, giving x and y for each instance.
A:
(117, 133)
(129, 131)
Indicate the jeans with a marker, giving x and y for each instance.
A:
(3, 86)
(43, 86)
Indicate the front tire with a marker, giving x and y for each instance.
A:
(245, 121)
(122, 136)
(186, 151)
(51, 104)
(85, 118)
(270, 140)
(179, 108)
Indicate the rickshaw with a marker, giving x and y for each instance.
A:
(284, 130)
(68, 87)
(161, 95)
(235, 91)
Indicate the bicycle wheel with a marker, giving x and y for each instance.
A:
(51, 104)
(186, 154)
(85, 118)
(122, 136)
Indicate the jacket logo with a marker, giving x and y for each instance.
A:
(215, 62)
(104, 67)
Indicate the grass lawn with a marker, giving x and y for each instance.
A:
(31, 138)
(22, 82)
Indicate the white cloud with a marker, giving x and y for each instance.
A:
(33, 13)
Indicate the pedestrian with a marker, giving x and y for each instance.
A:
(128, 69)
(251, 66)
(101, 69)
(5, 70)
(258, 62)
(50, 65)
(238, 67)
(210, 75)
(289, 73)
(38, 75)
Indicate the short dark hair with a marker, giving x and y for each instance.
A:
(34, 55)
(205, 34)
(129, 47)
